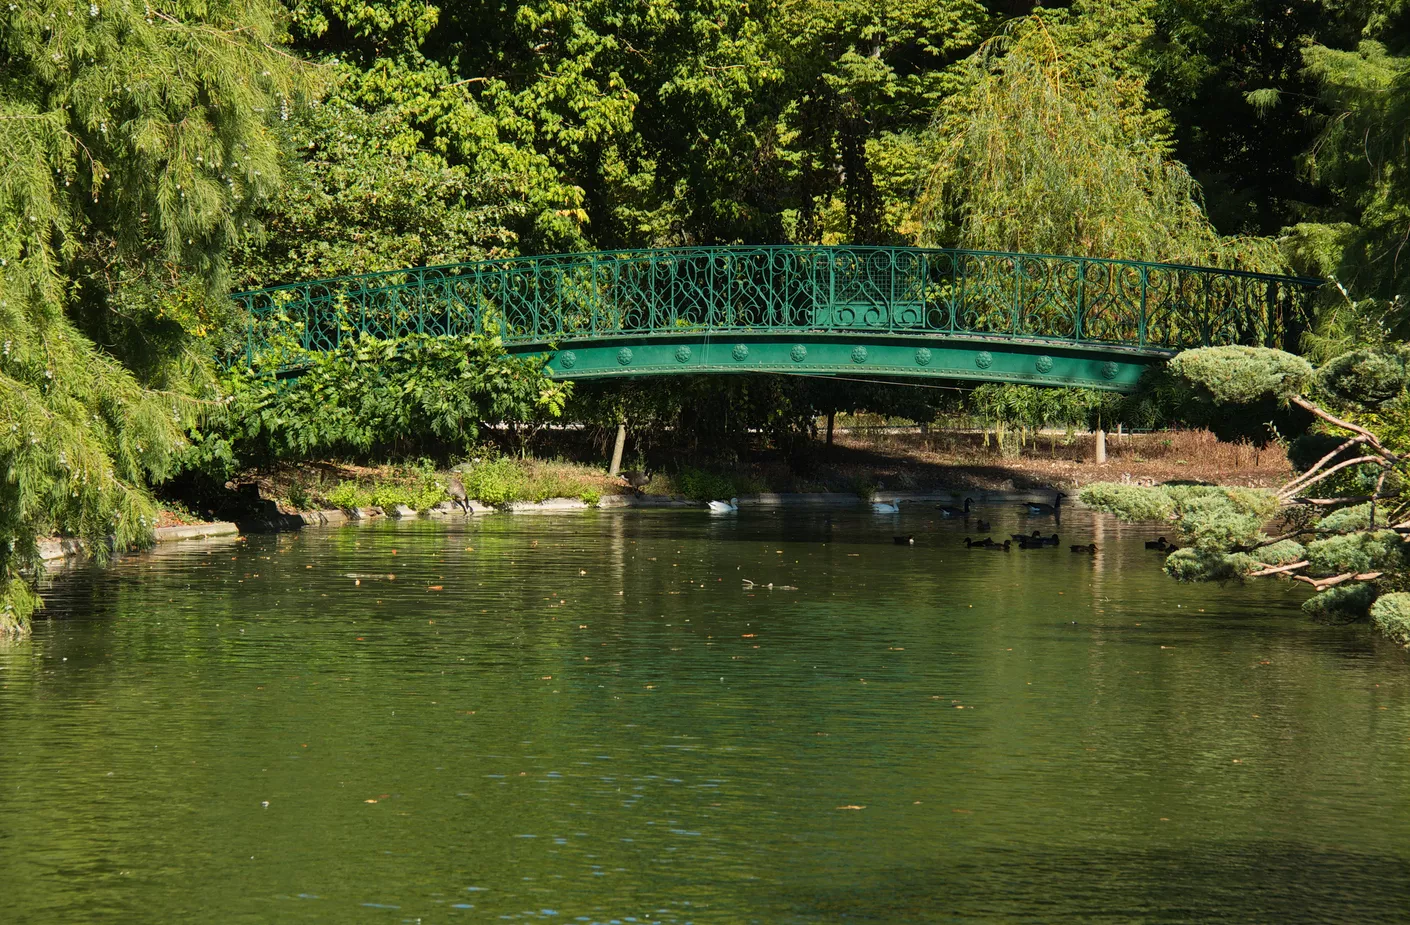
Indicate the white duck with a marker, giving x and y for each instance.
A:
(724, 507)
(886, 507)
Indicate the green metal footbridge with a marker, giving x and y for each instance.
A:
(891, 312)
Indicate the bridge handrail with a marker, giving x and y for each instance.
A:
(941, 292)
(1307, 281)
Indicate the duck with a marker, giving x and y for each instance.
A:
(886, 507)
(1048, 540)
(996, 547)
(1089, 548)
(982, 526)
(1055, 509)
(949, 510)
(978, 544)
(456, 490)
(1157, 544)
(1024, 538)
(724, 507)
(904, 540)
(636, 479)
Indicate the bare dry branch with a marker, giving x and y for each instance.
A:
(1349, 499)
(1345, 425)
(1289, 488)
(1322, 584)
(1339, 466)
(1276, 569)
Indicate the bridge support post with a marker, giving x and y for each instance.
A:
(617, 448)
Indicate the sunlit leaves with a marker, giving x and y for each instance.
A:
(415, 395)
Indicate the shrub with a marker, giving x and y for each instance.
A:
(1342, 604)
(1243, 375)
(1129, 502)
(1280, 553)
(1356, 552)
(700, 485)
(496, 482)
(1214, 522)
(1366, 378)
(299, 496)
(1391, 613)
(1351, 518)
(349, 496)
(371, 397)
(1190, 564)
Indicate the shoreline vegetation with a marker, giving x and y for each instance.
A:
(862, 464)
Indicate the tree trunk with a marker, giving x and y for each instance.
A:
(1101, 447)
(617, 448)
(830, 416)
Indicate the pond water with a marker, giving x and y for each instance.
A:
(590, 718)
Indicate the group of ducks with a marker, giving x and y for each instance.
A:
(1034, 540)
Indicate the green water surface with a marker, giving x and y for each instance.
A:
(591, 718)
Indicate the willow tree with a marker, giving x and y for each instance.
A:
(1051, 147)
(1341, 525)
(137, 139)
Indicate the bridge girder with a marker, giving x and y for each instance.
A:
(853, 355)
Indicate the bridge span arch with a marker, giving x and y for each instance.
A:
(881, 311)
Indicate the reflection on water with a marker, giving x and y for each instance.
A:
(589, 718)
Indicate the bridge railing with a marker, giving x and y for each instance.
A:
(879, 290)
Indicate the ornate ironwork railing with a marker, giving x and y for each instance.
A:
(1150, 307)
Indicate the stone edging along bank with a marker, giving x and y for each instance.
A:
(52, 550)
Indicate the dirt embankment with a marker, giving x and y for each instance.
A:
(961, 460)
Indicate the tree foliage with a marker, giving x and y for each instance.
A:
(138, 145)
(1051, 147)
(417, 396)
